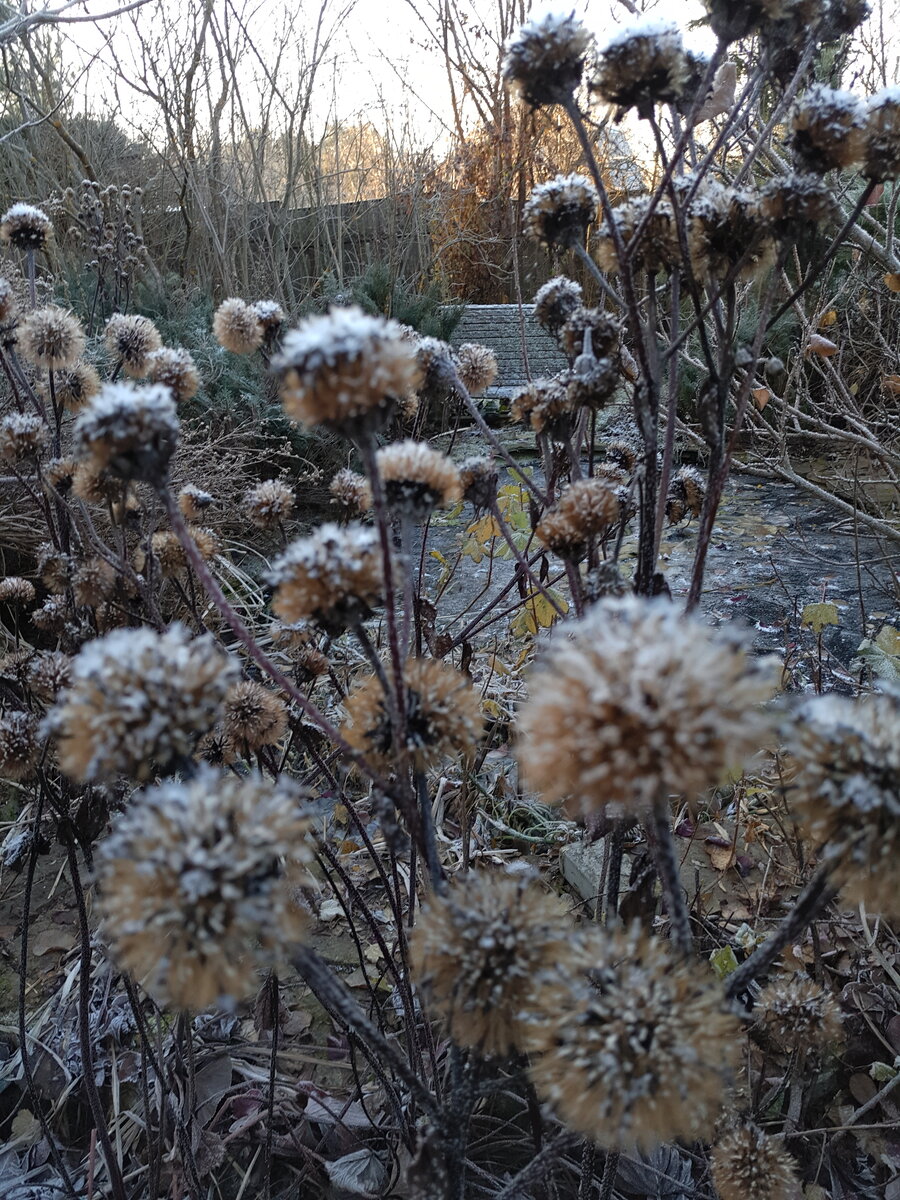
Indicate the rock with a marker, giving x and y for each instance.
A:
(581, 864)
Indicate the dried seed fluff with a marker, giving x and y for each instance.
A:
(130, 431)
(545, 60)
(332, 577)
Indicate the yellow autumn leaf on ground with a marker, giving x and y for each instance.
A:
(480, 535)
(817, 616)
(538, 612)
(828, 318)
(892, 282)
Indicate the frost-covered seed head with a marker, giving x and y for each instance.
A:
(637, 700)
(622, 455)
(54, 567)
(129, 431)
(479, 951)
(443, 715)
(19, 746)
(793, 202)
(130, 340)
(641, 1054)
(351, 494)
(544, 61)
(26, 227)
(198, 885)
(686, 494)
(332, 577)
(882, 137)
(237, 326)
(479, 477)
(254, 717)
(847, 790)
(727, 233)
(345, 370)
(193, 502)
(828, 129)
(22, 435)
(732, 20)
(642, 66)
(605, 333)
(659, 248)
(437, 370)
(555, 302)
(271, 316)
(138, 703)
(547, 406)
(417, 479)
(558, 213)
(72, 387)
(48, 673)
(94, 581)
(747, 1163)
(799, 1015)
(176, 370)
(476, 366)
(51, 338)
(587, 509)
(16, 590)
(269, 504)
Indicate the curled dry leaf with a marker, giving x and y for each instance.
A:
(821, 346)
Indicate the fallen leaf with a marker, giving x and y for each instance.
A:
(828, 319)
(761, 397)
(721, 857)
(723, 961)
(817, 616)
(892, 282)
(821, 346)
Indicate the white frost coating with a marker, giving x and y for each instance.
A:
(21, 210)
(17, 423)
(332, 550)
(344, 334)
(649, 28)
(564, 189)
(550, 30)
(122, 409)
(887, 97)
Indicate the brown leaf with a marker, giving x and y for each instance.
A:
(892, 282)
(821, 346)
(720, 857)
(761, 397)
(828, 318)
(891, 383)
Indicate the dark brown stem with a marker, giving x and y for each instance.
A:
(670, 877)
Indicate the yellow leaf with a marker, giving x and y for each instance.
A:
(497, 665)
(888, 640)
(523, 623)
(724, 961)
(492, 708)
(827, 319)
(892, 282)
(817, 616)
(485, 529)
(821, 346)
(437, 554)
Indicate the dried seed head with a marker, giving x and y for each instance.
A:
(16, 590)
(799, 1015)
(254, 717)
(640, 1055)
(828, 129)
(351, 494)
(727, 234)
(793, 202)
(19, 745)
(639, 701)
(604, 333)
(555, 302)
(94, 581)
(658, 248)
(479, 477)
(269, 504)
(138, 703)
(193, 502)
(621, 455)
(129, 431)
(332, 577)
(52, 616)
(175, 369)
(291, 637)
(642, 66)
(22, 435)
(747, 1163)
(558, 213)
(443, 715)
(847, 790)
(686, 494)
(198, 884)
(54, 567)
(59, 474)
(130, 340)
(72, 387)
(479, 951)
(169, 553)
(417, 479)
(26, 227)
(546, 406)
(544, 61)
(732, 20)
(437, 370)
(882, 137)
(604, 580)
(51, 338)
(95, 485)
(585, 510)
(476, 367)
(345, 370)
(271, 316)
(48, 673)
(237, 326)
(9, 304)
(309, 664)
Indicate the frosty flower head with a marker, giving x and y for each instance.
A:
(545, 405)
(271, 316)
(237, 326)
(799, 1015)
(558, 213)
(176, 370)
(658, 249)
(732, 20)
(130, 431)
(603, 333)
(198, 885)
(54, 567)
(437, 369)
(72, 387)
(641, 1054)
(345, 370)
(26, 227)
(19, 746)
(828, 129)
(48, 673)
(794, 202)
(351, 494)
(16, 590)
(333, 577)
(587, 509)
(138, 703)
(727, 233)
(169, 555)
(51, 338)
(479, 951)
(638, 701)
(417, 479)
(193, 502)
(9, 306)
(254, 717)
(479, 477)
(642, 66)
(476, 366)
(130, 340)
(622, 455)
(269, 504)
(443, 715)
(555, 302)
(747, 1163)
(94, 581)
(544, 61)
(847, 790)
(882, 136)
(686, 494)
(22, 435)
